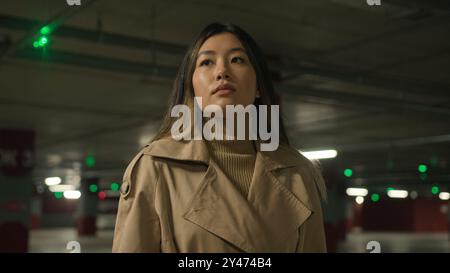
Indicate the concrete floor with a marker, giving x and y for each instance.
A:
(391, 242)
(56, 240)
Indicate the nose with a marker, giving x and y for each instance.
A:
(222, 73)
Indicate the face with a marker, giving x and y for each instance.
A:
(223, 73)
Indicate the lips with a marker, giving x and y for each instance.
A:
(225, 87)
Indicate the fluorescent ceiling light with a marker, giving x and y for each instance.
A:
(444, 195)
(50, 181)
(397, 194)
(72, 194)
(61, 188)
(322, 154)
(357, 191)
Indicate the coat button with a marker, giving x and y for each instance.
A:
(125, 188)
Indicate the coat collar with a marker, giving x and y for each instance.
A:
(266, 220)
(196, 150)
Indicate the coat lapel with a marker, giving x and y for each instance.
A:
(282, 210)
(263, 221)
(219, 208)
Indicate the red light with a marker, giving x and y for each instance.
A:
(102, 195)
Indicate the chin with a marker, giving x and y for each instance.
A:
(223, 102)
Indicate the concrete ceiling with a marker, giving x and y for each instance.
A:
(371, 81)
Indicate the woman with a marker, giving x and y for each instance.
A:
(220, 195)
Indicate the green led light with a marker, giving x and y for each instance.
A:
(114, 186)
(90, 161)
(35, 44)
(45, 30)
(435, 190)
(93, 188)
(389, 189)
(58, 195)
(375, 197)
(422, 168)
(348, 172)
(43, 41)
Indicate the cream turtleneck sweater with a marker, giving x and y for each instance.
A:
(236, 158)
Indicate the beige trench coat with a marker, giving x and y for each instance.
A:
(175, 199)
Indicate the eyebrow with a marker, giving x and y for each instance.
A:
(212, 52)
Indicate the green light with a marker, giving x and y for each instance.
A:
(35, 44)
(58, 195)
(348, 172)
(45, 30)
(435, 190)
(90, 161)
(114, 186)
(422, 168)
(93, 188)
(375, 197)
(389, 189)
(43, 41)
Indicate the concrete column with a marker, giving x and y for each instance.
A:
(36, 209)
(87, 207)
(16, 164)
(335, 209)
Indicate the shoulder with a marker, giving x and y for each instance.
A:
(290, 156)
(141, 171)
(312, 168)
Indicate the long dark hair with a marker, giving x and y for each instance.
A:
(183, 92)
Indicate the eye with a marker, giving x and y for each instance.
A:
(205, 62)
(238, 60)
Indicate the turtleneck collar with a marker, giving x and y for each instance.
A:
(232, 146)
